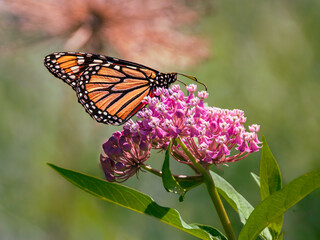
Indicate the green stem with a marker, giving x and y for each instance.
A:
(177, 177)
(211, 188)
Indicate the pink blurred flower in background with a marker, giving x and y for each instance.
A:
(140, 30)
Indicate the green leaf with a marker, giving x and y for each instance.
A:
(136, 201)
(236, 201)
(214, 232)
(187, 184)
(270, 176)
(256, 178)
(276, 204)
(280, 237)
(270, 182)
(169, 182)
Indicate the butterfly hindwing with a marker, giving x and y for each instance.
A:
(113, 94)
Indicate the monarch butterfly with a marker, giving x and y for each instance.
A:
(111, 90)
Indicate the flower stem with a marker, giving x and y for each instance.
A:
(211, 188)
(179, 178)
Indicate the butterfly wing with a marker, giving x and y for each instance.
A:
(111, 90)
(69, 66)
(113, 93)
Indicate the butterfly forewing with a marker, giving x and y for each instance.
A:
(68, 66)
(111, 90)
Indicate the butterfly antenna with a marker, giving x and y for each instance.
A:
(182, 82)
(194, 79)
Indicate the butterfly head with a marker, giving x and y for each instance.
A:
(171, 78)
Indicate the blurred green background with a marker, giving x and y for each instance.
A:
(264, 59)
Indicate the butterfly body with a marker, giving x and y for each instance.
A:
(111, 90)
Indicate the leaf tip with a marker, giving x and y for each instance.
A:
(55, 167)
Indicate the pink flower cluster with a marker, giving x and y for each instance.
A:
(209, 133)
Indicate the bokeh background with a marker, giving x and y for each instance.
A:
(258, 56)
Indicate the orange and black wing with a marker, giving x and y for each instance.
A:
(69, 66)
(113, 93)
(110, 89)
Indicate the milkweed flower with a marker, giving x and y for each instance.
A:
(213, 135)
(125, 152)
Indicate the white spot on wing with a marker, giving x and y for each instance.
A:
(80, 61)
(97, 61)
(131, 67)
(75, 69)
